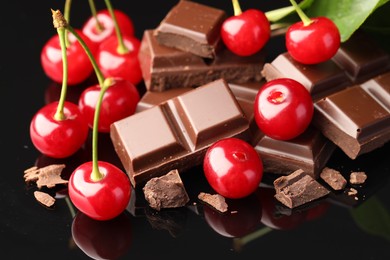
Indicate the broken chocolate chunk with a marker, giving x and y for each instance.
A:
(334, 178)
(357, 177)
(298, 188)
(215, 200)
(167, 191)
(44, 198)
(48, 176)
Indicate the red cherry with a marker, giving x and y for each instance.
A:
(119, 101)
(233, 168)
(246, 33)
(114, 64)
(283, 108)
(313, 43)
(90, 28)
(58, 138)
(79, 65)
(104, 199)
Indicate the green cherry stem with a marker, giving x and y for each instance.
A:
(236, 7)
(68, 4)
(122, 49)
(238, 243)
(305, 19)
(99, 26)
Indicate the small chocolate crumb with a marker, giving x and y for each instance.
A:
(357, 177)
(215, 200)
(48, 176)
(44, 198)
(333, 178)
(352, 192)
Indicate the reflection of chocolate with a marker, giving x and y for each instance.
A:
(192, 27)
(172, 220)
(177, 133)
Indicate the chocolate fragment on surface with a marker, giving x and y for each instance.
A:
(44, 198)
(214, 200)
(298, 188)
(166, 191)
(192, 27)
(48, 176)
(357, 177)
(334, 178)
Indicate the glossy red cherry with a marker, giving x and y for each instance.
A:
(96, 35)
(233, 168)
(246, 32)
(283, 108)
(119, 101)
(102, 199)
(58, 138)
(79, 65)
(313, 43)
(121, 65)
(102, 239)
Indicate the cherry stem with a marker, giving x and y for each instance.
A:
(122, 49)
(68, 4)
(236, 7)
(238, 243)
(305, 19)
(99, 26)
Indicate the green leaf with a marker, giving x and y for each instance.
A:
(348, 15)
(373, 218)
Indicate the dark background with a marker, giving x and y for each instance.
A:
(345, 229)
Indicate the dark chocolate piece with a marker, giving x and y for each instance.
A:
(334, 178)
(164, 68)
(44, 198)
(309, 151)
(319, 79)
(298, 188)
(166, 191)
(216, 201)
(177, 133)
(357, 177)
(192, 27)
(354, 120)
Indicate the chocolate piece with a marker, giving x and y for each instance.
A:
(165, 68)
(334, 178)
(362, 58)
(177, 133)
(192, 27)
(48, 176)
(354, 120)
(214, 200)
(319, 79)
(167, 191)
(379, 89)
(357, 177)
(309, 151)
(44, 198)
(298, 188)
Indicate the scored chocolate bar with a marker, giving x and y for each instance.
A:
(192, 27)
(176, 133)
(164, 68)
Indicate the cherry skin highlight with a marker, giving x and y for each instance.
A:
(104, 199)
(283, 108)
(79, 65)
(233, 168)
(58, 138)
(247, 33)
(119, 101)
(313, 43)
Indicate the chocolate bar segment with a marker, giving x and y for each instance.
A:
(164, 68)
(192, 27)
(176, 133)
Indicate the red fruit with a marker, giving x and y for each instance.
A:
(114, 64)
(79, 65)
(119, 101)
(247, 33)
(58, 138)
(90, 28)
(233, 168)
(283, 108)
(313, 43)
(103, 199)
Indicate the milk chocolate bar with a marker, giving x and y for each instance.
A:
(164, 68)
(192, 27)
(176, 133)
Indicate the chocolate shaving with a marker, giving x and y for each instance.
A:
(215, 200)
(44, 198)
(333, 178)
(357, 177)
(48, 176)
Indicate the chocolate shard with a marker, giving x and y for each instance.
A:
(216, 201)
(192, 27)
(357, 177)
(166, 191)
(298, 188)
(164, 68)
(334, 178)
(187, 125)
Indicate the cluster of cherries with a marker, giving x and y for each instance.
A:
(106, 44)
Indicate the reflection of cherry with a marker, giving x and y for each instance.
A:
(102, 239)
(243, 216)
